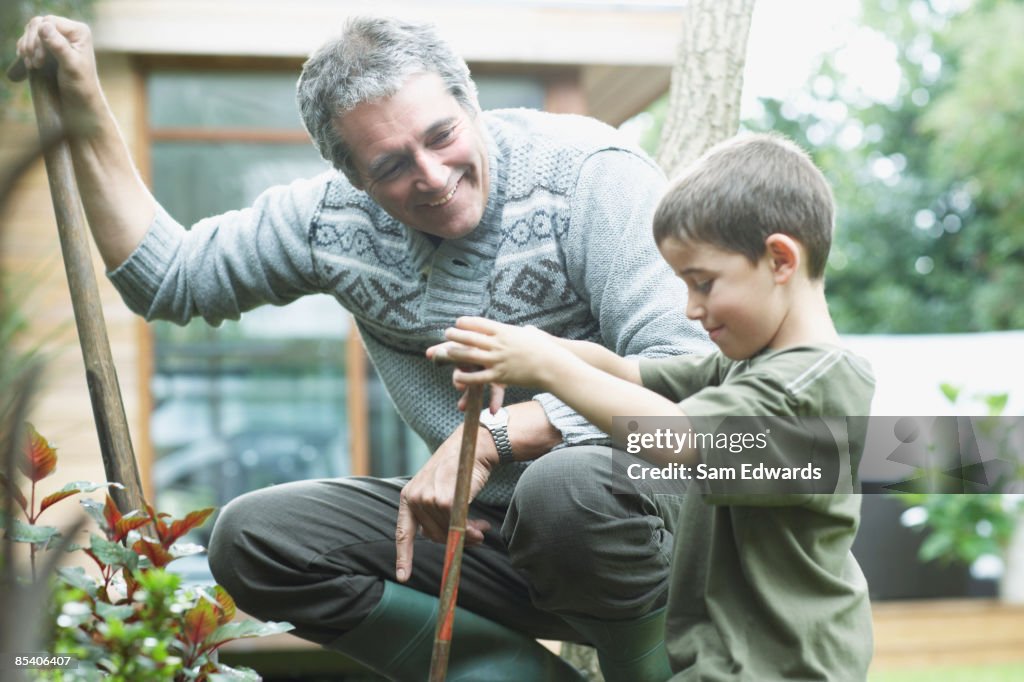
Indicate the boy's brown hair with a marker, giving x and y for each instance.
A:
(745, 189)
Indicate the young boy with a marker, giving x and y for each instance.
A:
(768, 590)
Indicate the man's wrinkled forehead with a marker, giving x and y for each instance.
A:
(382, 131)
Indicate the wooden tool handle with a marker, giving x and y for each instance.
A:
(17, 71)
(104, 392)
(456, 537)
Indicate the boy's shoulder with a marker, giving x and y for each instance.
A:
(815, 378)
(812, 379)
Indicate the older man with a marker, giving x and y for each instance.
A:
(434, 209)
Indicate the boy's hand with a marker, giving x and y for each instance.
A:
(523, 356)
(439, 353)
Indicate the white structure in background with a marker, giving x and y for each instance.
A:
(909, 369)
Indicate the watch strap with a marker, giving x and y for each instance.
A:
(499, 432)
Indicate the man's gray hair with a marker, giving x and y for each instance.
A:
(372, 58)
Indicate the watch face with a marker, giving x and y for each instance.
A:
(500, 418)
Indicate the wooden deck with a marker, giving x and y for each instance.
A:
(908, 634)
(911, 634)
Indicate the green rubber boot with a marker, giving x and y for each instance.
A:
(628, 651)
(397, 638)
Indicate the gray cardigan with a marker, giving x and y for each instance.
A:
(564, 244)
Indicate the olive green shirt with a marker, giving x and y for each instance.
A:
(764, 586)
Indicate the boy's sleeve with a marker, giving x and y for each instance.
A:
(681, 376)
(778, 458)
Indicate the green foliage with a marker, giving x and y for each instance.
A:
(652, 135)
(976, 126)
(964, 527)
(135, 621)
(930, 225)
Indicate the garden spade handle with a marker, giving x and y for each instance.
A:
(456, 537)
(104, 392)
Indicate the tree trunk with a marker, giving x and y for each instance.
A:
(704, 109)
(707, 81)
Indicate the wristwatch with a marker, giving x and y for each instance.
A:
(497, 424)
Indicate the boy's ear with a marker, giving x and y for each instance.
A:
(785, 255)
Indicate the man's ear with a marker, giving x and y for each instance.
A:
(785, 255)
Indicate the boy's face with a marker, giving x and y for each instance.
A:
(736, 301)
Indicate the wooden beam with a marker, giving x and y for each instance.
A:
(540, 33)
(565, 95)
(245, 135)
(357, 403)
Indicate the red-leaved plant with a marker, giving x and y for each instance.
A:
(135, 621)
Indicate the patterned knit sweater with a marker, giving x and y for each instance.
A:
(564, 244)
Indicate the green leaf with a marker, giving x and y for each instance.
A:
(951, 392)
(111, 553)
(970, 547)
(228, 674)
(996, 403)
(95, 511)
(70, 489)
(112, 611)
(37, 535)
(77, 577)
(158, 581)
(935, 546)
(246, 629)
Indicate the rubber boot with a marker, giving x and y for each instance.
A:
(397, 638)
(628, 651)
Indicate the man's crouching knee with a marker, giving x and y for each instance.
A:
(583, 548)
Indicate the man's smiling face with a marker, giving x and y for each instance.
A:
(421, 156)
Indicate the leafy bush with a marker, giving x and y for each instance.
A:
(135, 621)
